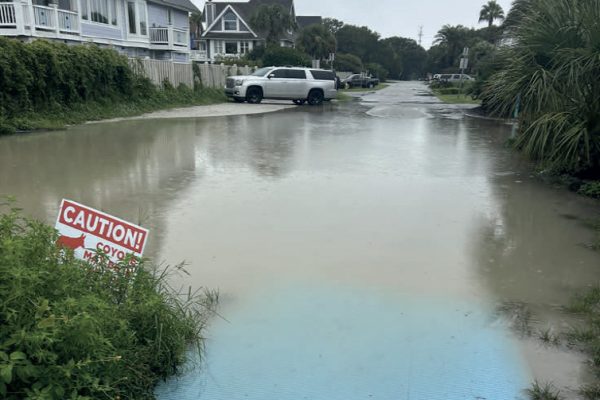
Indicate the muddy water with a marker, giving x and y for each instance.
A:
(389, 248)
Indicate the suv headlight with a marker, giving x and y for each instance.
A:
(239, 82)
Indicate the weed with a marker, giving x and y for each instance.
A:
(543, 392)
(548, 336)
(70, 329)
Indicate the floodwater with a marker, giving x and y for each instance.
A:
(388, 248)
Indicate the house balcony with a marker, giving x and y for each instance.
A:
(48, 21)
(169, 38)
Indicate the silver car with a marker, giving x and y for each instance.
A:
(300, 85)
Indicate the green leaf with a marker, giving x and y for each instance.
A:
(6, 373)
(3, 356)
(17, 355)
(2, 389)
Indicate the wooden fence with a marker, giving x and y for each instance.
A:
(209, 75)
(159, 71)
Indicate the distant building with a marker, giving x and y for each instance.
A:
(228, 33)
(157, 29)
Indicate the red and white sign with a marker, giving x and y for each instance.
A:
(86, 230)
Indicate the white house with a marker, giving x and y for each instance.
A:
(228, 34)
(157, 29)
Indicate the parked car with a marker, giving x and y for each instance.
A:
(452, 77)
(300, 85)
(360, 80)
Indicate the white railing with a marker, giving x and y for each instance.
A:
(159, 35)
(169, 36)
(198, 55)
(44, 17)
(7, 14)
(181, 37)
(68, 21)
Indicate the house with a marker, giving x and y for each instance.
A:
(157, 29)
(228, 33)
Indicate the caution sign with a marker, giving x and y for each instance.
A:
(87, 231)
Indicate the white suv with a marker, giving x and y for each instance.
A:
(298, 84)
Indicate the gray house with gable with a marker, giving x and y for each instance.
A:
(157, 29)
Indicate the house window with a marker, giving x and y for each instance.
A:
(143, 19)
(218, 47)
(131, 17)
(99, 11)
(244, 47)
(231, 48)
(230, 22)
(169, 17)
(113, 12)
(84, 10)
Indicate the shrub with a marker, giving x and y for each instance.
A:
(377, 71)
(279, 56)
(41, 75)
(348, 63)
(591, 189)
(70, 330)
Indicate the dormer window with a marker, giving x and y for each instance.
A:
(230, 22)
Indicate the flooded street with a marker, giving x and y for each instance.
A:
(388, 248)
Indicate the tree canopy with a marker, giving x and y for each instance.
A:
(316, 41)
(491, 12)
(273, 20)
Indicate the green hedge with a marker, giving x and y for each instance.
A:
(40, 75)
(47, 85)
(70, 331)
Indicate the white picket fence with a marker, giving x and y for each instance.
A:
(159, 71)
(214, 75)
(211, 75)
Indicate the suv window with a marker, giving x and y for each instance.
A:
(323, 75)
(456, 77)
(296, 74)
(279, 73)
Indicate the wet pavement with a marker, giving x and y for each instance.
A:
(388, 248)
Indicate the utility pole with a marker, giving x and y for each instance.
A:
(420, 34)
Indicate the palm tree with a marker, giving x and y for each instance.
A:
(551, 70)
(196, 24)
(490, 12)
(452, 39)
(317, 41)
(273, 21)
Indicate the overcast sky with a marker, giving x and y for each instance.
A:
(397, 17)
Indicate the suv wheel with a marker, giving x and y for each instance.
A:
(315, 98)
(299, 102)
(370, 85)
(254, 95)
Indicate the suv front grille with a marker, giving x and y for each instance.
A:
(230, 83)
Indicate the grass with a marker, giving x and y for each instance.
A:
(456, 98)
(343, 97)
(61, 116)
(359, 90)
(543, 392)
(75, 330)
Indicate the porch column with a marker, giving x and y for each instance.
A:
(29, 4)
(171, 37)
(55, 18)
(19, 17)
